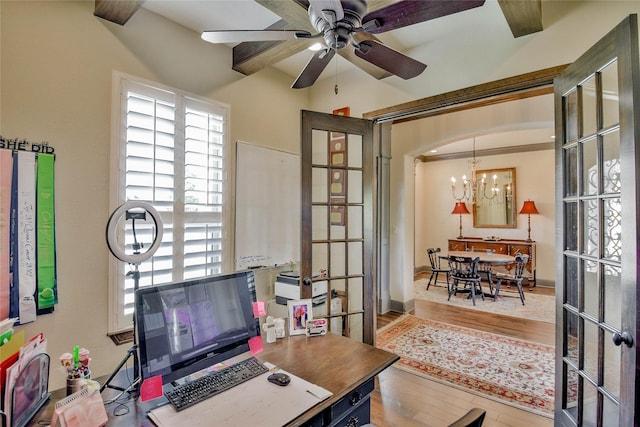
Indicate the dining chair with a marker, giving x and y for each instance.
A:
(465, 270)
(473, 418)
(515, 276)
(436, 267)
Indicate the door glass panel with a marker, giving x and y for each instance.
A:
(590, 231)
(338, 266)
(572, 337)
(355, 258)
(355, 151)
(589, 116)
(355, 222)
(571, 224)
(571, 171)
(590, 275)
(355, 186)
(611, 415)
(571, 116)
(589, 404)
(319, 187)
(338, 186)
(611, 363)
(319, 147)
(613, 229)
(571, 281)
(338, 150)
(591, 349)
(611, 162)
(612, 300)
(610, 111)
(571, 393)
(590, 167)
(320, 256)
(338, 222)
(319, 227)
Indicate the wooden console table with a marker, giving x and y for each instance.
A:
(505, 247)
(345, 367)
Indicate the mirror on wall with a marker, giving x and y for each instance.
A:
(495, 199)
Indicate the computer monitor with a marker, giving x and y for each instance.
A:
(188, 326)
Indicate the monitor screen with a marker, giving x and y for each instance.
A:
(188, 326)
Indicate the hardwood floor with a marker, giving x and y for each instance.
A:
(407, 400)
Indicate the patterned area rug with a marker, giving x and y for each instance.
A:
(511, 371)
(537, 307)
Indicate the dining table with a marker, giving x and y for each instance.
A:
(486, 261)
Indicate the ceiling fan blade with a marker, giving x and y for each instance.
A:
(239, 36)
(328, 5)
(389, 59)
(409, 12)
(313, 69)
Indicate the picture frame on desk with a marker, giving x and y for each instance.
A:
(300, 312)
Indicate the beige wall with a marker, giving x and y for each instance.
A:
(434, 223)
(57, 64)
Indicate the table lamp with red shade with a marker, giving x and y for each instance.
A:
(529, 208)
(460, 208)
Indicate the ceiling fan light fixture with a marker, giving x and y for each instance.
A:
(316, 47)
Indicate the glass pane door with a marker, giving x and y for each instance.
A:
(336, 205)
(595, 373)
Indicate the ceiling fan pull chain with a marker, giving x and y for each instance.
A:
(335, 89)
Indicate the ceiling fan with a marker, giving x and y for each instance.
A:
(342, 23)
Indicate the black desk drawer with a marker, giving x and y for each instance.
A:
(353, 399)
(357, 416)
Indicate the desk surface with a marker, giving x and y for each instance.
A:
(485, 257)
(333, 362)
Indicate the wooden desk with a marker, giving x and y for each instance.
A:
(338, 364)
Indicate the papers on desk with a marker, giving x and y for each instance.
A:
(256, 402)
(26, 381)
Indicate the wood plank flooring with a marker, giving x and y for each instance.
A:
(407, 400)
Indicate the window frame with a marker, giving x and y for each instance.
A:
(118, 322)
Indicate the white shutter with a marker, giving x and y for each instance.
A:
(172, 149)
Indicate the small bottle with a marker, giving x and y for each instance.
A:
(270, 327)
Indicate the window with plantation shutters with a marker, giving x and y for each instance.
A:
(170, 151)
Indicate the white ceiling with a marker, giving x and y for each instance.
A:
(200, 15)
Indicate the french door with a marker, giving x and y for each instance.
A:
(337, 221)
(597, 160)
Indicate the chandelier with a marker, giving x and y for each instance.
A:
(475, 191)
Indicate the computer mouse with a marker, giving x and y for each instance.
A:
(279, 378)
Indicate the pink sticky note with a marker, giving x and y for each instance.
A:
(259, 309)
(151, 388)
(255, 345)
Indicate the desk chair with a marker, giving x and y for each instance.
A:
(516, 276)
(436, 267)
(465, 270)
(473, 418)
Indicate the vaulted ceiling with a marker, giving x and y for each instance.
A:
(523, 17)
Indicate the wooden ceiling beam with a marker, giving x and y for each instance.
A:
(117, 11)
(523, 16)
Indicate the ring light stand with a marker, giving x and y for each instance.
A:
(132, 210)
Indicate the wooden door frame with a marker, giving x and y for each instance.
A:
(522, 86)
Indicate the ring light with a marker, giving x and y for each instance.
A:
(126, 209)
(133, 210)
